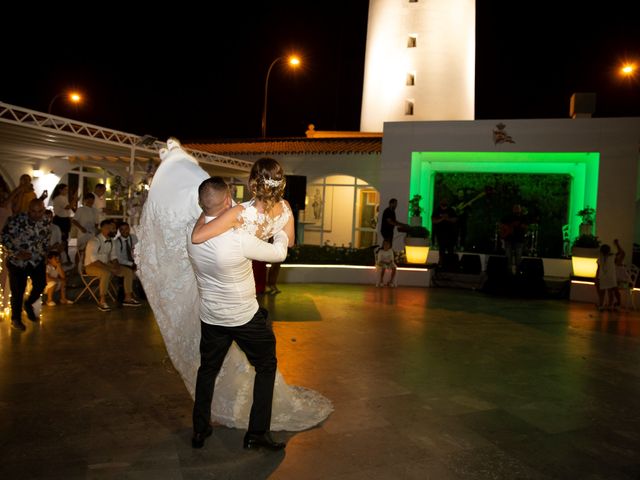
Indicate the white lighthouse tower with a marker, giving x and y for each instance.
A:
(420, 62)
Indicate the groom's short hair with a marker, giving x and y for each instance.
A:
(212, 193)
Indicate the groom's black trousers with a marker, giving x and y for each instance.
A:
(257, 341)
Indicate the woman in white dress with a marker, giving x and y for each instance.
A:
(169, 282)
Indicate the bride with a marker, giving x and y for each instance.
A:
(169, 282)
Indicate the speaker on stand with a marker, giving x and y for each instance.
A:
(295, 193)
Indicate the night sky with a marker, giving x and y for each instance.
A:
(200, 75)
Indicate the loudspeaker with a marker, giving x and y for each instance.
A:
(497, 266)
(450, 263)
(498, 278)
(296, 191)
(531, 279)
(470, 264)
(532, 268)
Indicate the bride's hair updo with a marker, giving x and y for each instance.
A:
(267, 182)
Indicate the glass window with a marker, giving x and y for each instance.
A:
(408, 107)
(340, 210)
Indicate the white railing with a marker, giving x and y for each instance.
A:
(44, 122)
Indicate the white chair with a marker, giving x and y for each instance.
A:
(91, 284)
(630, 282)
(566, 242)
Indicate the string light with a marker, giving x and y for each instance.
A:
(5, 311)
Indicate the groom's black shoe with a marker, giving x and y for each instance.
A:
(254, 440)
(197, 441)
(31, 315)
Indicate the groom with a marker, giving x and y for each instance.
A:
(229, 311)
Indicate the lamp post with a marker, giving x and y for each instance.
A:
(294, 62)
(628, 70)
(73, 97)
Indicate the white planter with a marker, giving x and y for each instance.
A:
(586, 229)
(415, 221)
(416, 250)
(584, 261)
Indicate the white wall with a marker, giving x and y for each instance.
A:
(616, 139)
(363, 166)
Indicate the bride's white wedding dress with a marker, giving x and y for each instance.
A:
(168, 216)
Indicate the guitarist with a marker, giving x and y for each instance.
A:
(513, 228)
(462, 210)
(445, 229)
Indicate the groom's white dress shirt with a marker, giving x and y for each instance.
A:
(224, 275)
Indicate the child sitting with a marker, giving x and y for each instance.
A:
(385, 261)
(56, 279)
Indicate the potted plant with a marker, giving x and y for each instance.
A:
(415, 210)
(417, 232)
(588, 215)
(584, 255)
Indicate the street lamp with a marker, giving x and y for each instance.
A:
(294, 62)
(628, 70)
(73, 97)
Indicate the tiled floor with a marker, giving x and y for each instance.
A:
(427, 383)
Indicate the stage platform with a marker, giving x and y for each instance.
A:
(556, 271)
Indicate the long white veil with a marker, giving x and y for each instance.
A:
(163, 264)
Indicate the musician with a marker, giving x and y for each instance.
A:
(445, 228)
(513, 229)
(462, 209)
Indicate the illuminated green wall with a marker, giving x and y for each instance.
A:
(582, 167)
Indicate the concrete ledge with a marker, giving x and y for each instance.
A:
(585, 291)
(406, 276)
(354, 274)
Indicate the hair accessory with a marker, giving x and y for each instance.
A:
(272, 183)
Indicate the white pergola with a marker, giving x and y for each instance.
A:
(28, 136)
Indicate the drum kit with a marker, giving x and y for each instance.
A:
(530, 248)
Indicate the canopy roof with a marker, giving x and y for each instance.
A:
(27, 135)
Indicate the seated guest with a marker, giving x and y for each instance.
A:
(101, 261)
(125, 244)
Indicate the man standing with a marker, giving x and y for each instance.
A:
(22, 195)
(229, 312)
(85, 220)
(444, 220)
(100, 202)
(389, 222)
(26, 237)
(513, 229)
